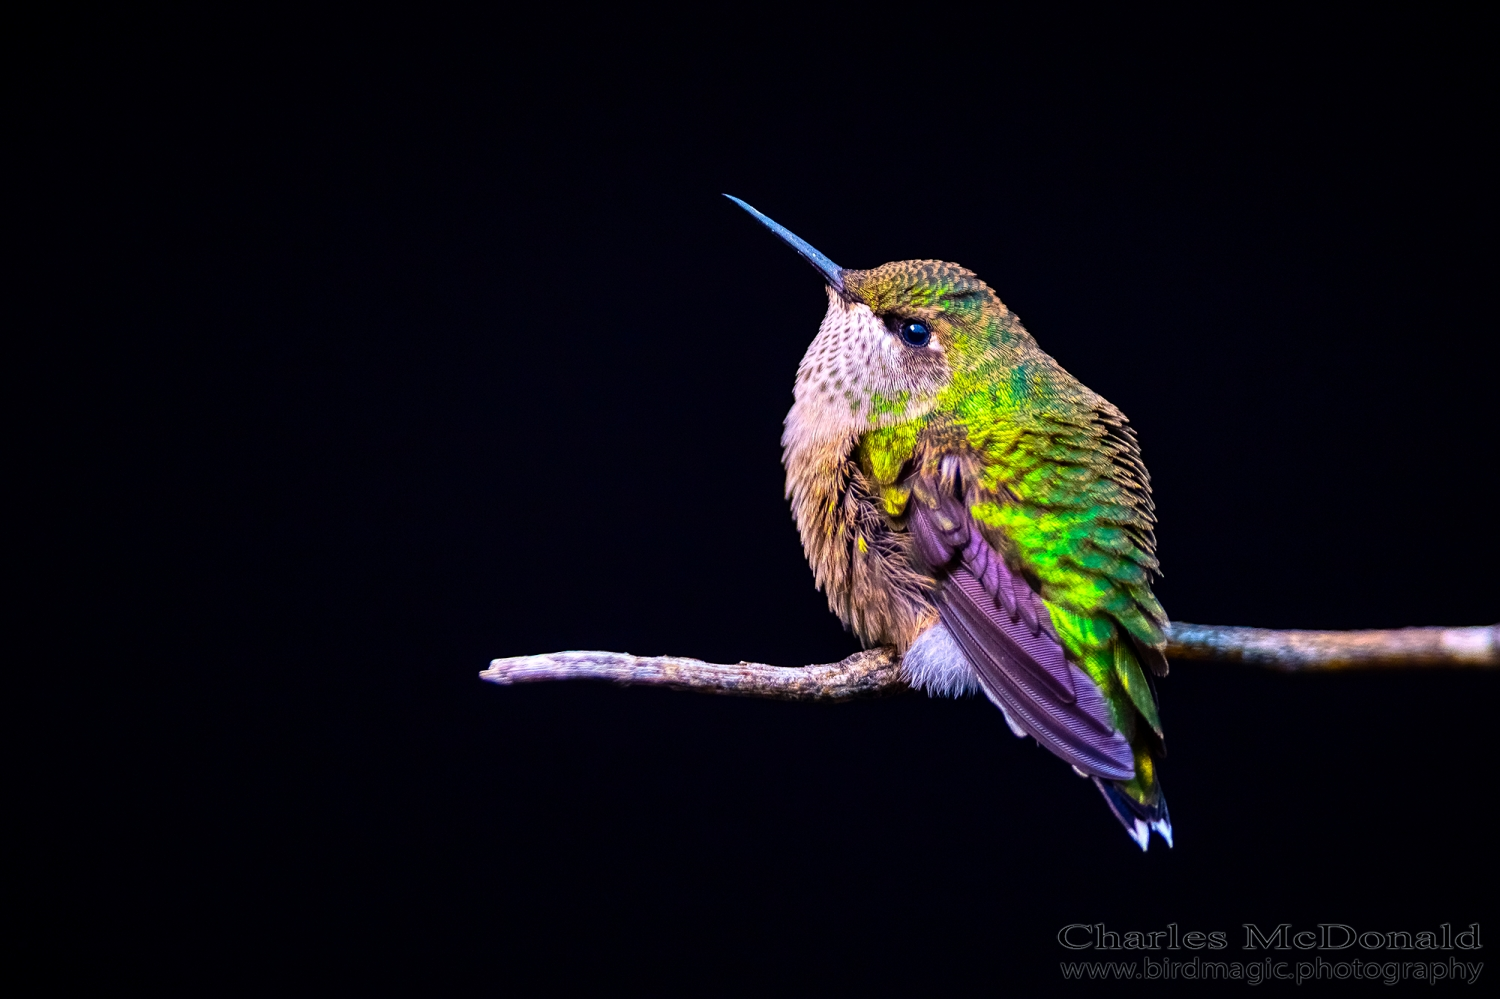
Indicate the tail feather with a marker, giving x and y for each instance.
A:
(1139, 820)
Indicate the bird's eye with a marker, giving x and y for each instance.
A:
(915, 332)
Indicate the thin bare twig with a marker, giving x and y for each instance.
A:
(879, 670)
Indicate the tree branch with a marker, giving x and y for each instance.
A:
(878, 670)
(1295, 651)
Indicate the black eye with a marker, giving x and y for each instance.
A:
(915, 332)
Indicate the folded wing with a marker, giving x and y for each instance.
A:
(1006, 633)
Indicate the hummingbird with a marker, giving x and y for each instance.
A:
(963, 498)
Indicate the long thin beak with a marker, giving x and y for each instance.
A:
(832, 272)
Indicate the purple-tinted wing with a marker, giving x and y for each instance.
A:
(1006, 633)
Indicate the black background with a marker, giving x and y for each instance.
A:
(366, 353)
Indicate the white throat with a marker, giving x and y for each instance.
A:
(852, 379)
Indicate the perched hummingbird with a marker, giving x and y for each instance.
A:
(962, 497)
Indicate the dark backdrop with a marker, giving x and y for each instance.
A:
(371, 355)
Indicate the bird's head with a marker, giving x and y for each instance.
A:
(892, 341)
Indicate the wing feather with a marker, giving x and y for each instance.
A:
(1006, 632)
